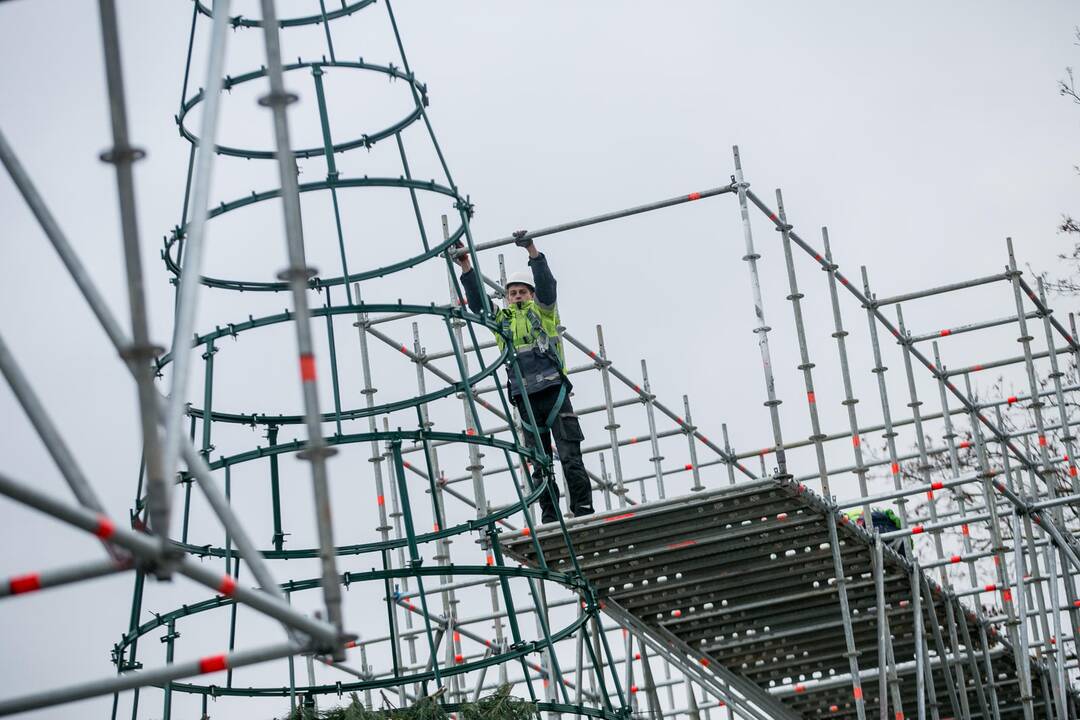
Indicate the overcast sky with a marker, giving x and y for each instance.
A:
(922, 135)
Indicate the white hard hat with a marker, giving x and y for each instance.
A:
(522, 277)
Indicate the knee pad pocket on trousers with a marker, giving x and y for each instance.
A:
(570, 428)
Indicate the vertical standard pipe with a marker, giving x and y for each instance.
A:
(612, 427)
(140, 353)
(298, 274)
(920, 654)
(654, 444)
(762, 329)
(851, 651)
(805, 365)
(845, 369)
(694, 470)
(882, 638)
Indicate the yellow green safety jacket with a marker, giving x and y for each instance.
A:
(534, 327)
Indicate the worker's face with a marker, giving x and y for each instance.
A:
(519, 293)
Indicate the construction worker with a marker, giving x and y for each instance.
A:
(883, 521)
(532, 320)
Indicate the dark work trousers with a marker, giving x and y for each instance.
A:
(568, 436)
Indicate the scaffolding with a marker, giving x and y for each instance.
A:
(709, 585)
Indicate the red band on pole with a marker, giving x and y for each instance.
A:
(24, 583)
(917, 529)
(705, 661)
(810, 397)
(105, 528)
(1006, 595)
(964, 445)
(459, 658)
(307, 367)
(945, 333)
(800, 688)
(955, 559)
(681, 544)
(213, 663)
(964, 529)
(929, 494)
(976, 367)
(613, 518)
(855, 440)
(857, 692)
(694, 196)
(381, 500)
(688, 466)
(937, 485)
(772, 216)
(895, 468)
(1042, 440)
(1010, 400)
(990, 588)
(227, 586)
(490, 560)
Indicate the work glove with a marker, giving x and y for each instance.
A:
(520, 240)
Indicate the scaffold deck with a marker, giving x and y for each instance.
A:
(743, 575)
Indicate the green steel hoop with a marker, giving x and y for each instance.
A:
(460, 204)
(240, 21)
(366, 140)
(233, 330)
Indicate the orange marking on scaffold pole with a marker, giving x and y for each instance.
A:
(964, 529)
(800, 688)
(955, 559)
(810, 398)
(916, 529)
(525, 531)
(834, 708)
(855, 440)
(929, 494)
(964, 445)
(1006, 595)
(937, 485)
(381, 500)
(676, 613)
(895, 468)
(945, 333)
(990, 588)
(24, 583)
(633, 440)
(857, 692)
(490, 559)
(1042, 440)
(681, 544)
(459, 658)
(976, 368)
(213, 663)
(1010, 400)
(613, 518)
(105, 528)
(694, 196)
(307, 367)
(705, 661)
(637, 656)
(227, 586)
(688, 466)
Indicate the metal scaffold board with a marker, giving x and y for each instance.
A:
(743, 576)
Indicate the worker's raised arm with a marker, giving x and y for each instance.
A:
(545, 281)
(470, 283)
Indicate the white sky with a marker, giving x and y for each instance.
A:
(922, 136)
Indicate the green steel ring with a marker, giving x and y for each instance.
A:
(318, 282)
(366, 140)
(511, 653)
(241, 21)
(234, 329)
(378, 545)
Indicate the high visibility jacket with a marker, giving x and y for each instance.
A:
(883, 520)
(534, 328)
(529, 323)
